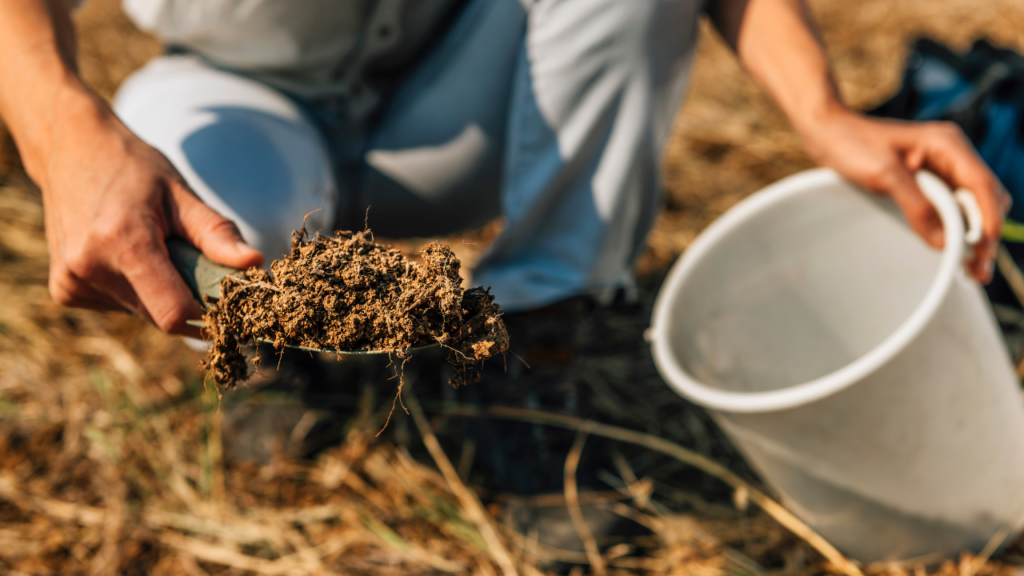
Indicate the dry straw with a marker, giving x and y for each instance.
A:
(110, 460)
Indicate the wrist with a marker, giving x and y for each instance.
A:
(38, 123)
(809, 116)
(816, 126)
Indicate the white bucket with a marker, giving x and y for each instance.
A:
(859, 371)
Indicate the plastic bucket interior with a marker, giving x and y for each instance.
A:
(799, 291)
(857, 368)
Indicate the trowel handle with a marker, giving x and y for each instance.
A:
(200, 273)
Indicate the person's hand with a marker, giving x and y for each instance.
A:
(883, 155)
(110, 202)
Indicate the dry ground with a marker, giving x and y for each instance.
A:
(109, 453)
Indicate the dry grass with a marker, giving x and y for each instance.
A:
(110, 460)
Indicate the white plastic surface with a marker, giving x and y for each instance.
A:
(859, 371)
(972, 212)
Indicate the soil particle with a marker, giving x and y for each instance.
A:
(348, 293)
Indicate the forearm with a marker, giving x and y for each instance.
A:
(39, 83)
(777, 42)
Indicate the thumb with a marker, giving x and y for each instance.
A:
(215, 236)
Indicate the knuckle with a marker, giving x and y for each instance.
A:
(882, 176)
(224, 227)
(170, 319)
(80, 261)
(107, 232)
(948, 130)
(59, 294)
(65, 289)
(134, 250)
(126, 246)
(987, 191)
(64, 299)
(111, 240)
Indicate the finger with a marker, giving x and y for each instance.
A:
(162, 294)
(897, 182)
(69, 291)
(81, 273)
(952, 157)
(214, 235)
(93, 266)
(983, 263)
(1005, 201)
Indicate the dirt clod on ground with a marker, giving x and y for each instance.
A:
(348, 293)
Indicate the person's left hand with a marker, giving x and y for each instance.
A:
(882, 156)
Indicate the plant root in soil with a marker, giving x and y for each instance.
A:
(347, 293)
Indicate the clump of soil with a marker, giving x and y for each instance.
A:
(348, 293)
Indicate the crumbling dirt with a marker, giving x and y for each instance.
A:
(348, 293)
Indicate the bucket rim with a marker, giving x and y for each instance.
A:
(801, 393)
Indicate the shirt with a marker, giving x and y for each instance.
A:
(311, 48)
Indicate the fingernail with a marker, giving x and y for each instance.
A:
(244, 248)
(990, 268)
(937, 237)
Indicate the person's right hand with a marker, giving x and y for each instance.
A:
(111, 201)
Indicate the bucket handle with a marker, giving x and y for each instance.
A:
(972, 214)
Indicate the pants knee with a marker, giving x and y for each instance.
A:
(243, 148)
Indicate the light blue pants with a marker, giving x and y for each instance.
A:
(551, 114)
